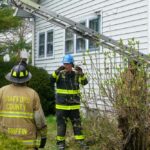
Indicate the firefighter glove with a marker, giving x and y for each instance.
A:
(79, 70)
(43, 142)
(59, 69)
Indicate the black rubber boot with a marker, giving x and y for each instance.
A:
(61, 145)
(83, 145)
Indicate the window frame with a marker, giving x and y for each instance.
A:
(45, 55)
(85, 40)
(69, 39)
(41, 56)
(52, 43)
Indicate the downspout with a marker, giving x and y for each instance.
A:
(33, 42)
(148, 51)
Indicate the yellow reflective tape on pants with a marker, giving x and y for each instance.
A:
(79, 137)
(61, 91)
(11, 114)
(60, 138)
(66, 107)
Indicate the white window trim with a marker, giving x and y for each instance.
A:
(45, 52)
(42, 32)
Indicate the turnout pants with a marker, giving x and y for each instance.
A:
(62, 118)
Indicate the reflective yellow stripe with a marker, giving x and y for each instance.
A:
(11, 114)
(60, 138)
(64, 107)
(79, 137)
(21, 74)
(82, 78)
(61, 91)
(26, 72)
(55, 75)
(33, 143)
(14, 74)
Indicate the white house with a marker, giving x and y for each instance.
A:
(117, 19)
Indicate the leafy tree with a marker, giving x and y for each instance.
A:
(13, 31)
(7, 20)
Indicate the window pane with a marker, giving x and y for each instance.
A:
(69, 35)
(69, 47)
(69, 42)
(50, 36)
(94, 24)
(80, 43)
(49, 43)
(41, 50)
(41, 44)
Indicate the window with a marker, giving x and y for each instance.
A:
(76, 44)
(45, 44)
(69, 42)
(41, 44)
(80, 42)
(93, 24)
(50, 43)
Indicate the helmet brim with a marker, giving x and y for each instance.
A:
(15, 80)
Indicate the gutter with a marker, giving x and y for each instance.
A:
(33, 42)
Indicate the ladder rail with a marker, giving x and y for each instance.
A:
(79, 29)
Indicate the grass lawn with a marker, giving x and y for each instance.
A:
(51, 142)
(100, 135)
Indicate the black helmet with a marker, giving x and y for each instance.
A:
(18, 74)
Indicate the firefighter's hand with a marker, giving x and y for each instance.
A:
(79, 70)
(59, 69)
(43, 142)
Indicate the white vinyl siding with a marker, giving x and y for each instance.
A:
(121, 19)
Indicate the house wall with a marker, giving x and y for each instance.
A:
(121, 19)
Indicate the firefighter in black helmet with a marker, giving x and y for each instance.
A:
(67, 81)
(21, 114)
(19, 74)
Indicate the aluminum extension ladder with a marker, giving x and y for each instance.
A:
(65, 23)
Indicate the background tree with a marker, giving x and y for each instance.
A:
(7, 20)
(14, 32)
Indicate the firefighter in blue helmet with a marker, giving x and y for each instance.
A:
(68, 79)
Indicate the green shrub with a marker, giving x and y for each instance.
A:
(10, 144)
(39, 82)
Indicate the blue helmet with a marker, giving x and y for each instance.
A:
(68, 59)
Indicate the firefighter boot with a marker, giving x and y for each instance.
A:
(61, 145)
(83, 145)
